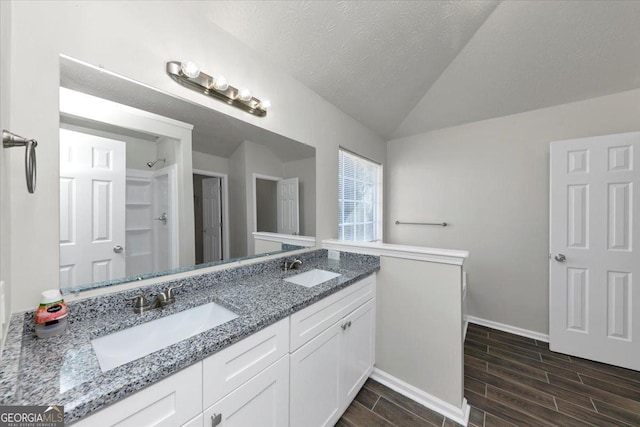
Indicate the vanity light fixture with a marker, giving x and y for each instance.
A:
(188, 74)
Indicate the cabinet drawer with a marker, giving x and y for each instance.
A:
(311, 321)
(170, 402)
(230, 368)
(262, 401)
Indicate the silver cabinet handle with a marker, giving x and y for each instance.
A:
(560, 258)
(346, 325)
(118, 249)
(216, 419)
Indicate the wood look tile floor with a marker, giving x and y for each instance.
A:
(514, 381)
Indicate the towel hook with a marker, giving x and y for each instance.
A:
(12, 140)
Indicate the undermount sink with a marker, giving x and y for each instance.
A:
(312, 278)
(133, 343)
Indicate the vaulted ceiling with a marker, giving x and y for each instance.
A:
(406, 67)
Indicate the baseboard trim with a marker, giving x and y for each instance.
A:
(508, 328)
(459, 415)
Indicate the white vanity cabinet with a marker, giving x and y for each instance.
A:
(301, 371)
(228, 369)
(247, 384)
(328, 370)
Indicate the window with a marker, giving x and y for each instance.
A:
(359, 198)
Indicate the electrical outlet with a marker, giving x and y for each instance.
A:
(333, 254)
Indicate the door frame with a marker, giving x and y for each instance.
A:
(590, 337)
(90, 109)
(224, 178)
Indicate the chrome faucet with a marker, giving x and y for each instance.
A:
(163, 299)
(291, 265)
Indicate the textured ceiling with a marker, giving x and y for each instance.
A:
(372, 59)
(406, 67)
(535, 54)
(213, 132)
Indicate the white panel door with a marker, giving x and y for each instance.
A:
(288, 206)
(594, 310)
(211, 220)
(262, 401)
(92, 208)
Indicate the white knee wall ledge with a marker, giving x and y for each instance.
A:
(418, 253)
(419, 326)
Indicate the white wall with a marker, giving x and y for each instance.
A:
(136, 39)
(237, 203)
(419, 314)
(209, 162)
(490, 180)
(5, 95)
(259, 160)
(139, 152)
(305, 171)
(266, 206)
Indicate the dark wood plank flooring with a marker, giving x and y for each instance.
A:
(514, 381)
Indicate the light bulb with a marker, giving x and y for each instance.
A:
(220, 83)
(245, 94)
(190, 69)
(265, 104)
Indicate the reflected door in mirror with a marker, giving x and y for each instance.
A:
(212, 219)
(288, 206)
(92, 208)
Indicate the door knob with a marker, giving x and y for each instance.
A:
(560, 258)
(162, 218)
(118, 249)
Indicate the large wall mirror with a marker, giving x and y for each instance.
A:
(152, 184)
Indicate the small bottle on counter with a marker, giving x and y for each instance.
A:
(51, 315)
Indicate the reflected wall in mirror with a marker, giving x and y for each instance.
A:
(151, 184)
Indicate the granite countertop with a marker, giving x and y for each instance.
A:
(64, 370)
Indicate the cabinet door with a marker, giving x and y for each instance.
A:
(357, 350)
(315, 380)
(262, 401)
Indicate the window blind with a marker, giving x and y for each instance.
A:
(358, 197)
